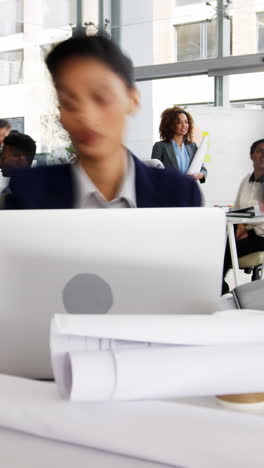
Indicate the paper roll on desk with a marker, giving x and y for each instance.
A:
(199, 156)
(163, 372)
(89, 368)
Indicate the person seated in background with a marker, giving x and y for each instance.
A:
(96, 92)
(5, 129)
(176, 148)
(249, 237)
(18, 152)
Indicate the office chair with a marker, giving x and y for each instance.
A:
(253, 264)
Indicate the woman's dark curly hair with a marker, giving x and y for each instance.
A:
(168, 122)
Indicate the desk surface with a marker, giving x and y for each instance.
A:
(190, 434)
(18, 449)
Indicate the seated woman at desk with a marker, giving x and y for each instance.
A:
(96, 93)
(249, 237)
(176, 148)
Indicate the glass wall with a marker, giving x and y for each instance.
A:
(59, 13)
(189, 40)
(247, 26)
(28, 30)
(247, 90)
(195, 41)
(171, 30)
(11, 67)
(183, 30)
(11, 17)
(180, 34)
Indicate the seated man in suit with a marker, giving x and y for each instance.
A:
(96, 92)
(18, 152)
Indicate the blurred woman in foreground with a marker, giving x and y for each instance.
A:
(96, 93)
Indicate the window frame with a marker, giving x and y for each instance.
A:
(20, 80)
(257, 30)
(203, 33)
(219, 67)
(18, 23)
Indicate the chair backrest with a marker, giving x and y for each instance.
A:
(250, 295)
(251, 260)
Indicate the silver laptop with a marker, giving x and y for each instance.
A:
(137, 261)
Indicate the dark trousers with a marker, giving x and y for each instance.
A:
(252, 243)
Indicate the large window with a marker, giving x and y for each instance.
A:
(247, 26)
(246, 90)
(11, 67)
(58, 13)
(195, 41)
(11, 17)
(17, 123)
(187, 2)
(260, 30)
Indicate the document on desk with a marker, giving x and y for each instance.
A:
(179, 434)
(199, 156)
(157, 357)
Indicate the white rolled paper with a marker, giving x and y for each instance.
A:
(166, 372)
(104, 332)
(197, 161)
(223, 355)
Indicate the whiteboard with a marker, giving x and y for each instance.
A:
(231, 133)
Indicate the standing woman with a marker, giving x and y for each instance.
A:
(176, 148)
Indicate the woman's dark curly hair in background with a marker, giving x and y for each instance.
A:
(169, 118)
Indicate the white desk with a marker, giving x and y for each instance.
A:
(232, 241)
(19, 450)
(189, 433)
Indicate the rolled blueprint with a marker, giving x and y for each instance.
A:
(229, 326)
(197, 161)
(164, 372)
(222, 355)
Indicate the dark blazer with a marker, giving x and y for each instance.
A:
(164, 151)
(53, 187)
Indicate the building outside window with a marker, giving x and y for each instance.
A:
(179, 3)
(17, 123)
(11, 17)
(260, 31)
(195, 41)
(11, 67)
(59, 13)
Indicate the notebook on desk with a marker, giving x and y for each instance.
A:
(242, 213)
(250, 212)
(140, 261)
